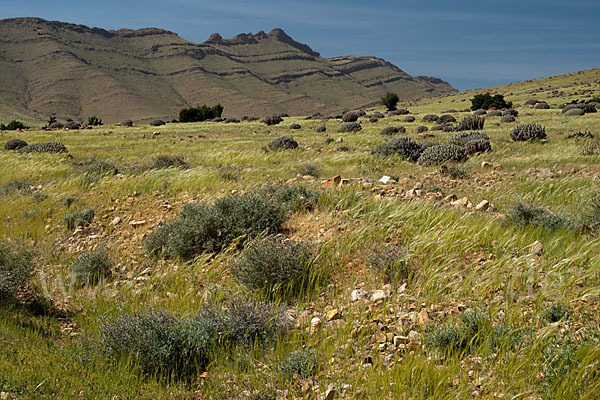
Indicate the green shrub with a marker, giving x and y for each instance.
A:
(92, 267)
(275, 267)
(591, 148)
(454, 172)
(157, 122)
(350, 127)
(283, 143)
(79, 219)
(524, 214)
(292, 198)
(98, 169)
(198, 114)
(50, 147)
(69, 200)
(526, 132)
(16, 269)
(12, 126)
(564, 356)
(390, 100)
(470, 123)
(310, 170)
(200, 227)
(462, 138)
(470, 330)
(94, 121)
(301, 364)
(556, 312)
(16, 185)
(178, 348)
(164, 161)
(272, 120)
(478, 146)
(487, 101)
(403, 147)
(15, 144)
(442, 153)
(391, 262)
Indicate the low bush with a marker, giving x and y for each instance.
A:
(421, 129)
(403, 147)
(391, 263)
(470, 330)
(310, 170)
(275, 267)
(79, 219)
(98, 169)
(15, 144)
(51, 147)
(555, 313)
(16, 185)
(454, 172)
(470, 123)
(523, 214)
(581, 135)
(201, 227)
(429, 118)
(409, 118)
(442, 153)
(283, 143)
(446, 119)
(92, 267)
(402, 111)
(350, 117)
(272, 120)
(508, 118)
(350, 127)
(321, 128)
(295, 126)
(16, 269)
(127, 123)
(462, 138)
(591, 148)
(164, 161)
(160, 343)
(300, 364)
(477, 146)
(527, 132)
(157, 122)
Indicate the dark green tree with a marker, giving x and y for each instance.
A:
(390, 100)
(197, 114)
(94, 121)
(487, 101)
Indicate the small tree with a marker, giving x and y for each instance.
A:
(51, 119)
(487, 101)
(94, 121)
(390, 100)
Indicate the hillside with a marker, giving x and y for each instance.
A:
(75, 71)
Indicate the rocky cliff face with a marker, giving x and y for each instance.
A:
(76, 71)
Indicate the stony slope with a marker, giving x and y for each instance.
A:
(76, 71)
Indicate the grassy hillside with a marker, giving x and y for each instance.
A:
(74, 72)
(459, 302)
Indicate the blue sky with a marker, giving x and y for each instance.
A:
(471, 44)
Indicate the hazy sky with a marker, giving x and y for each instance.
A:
(471, 44)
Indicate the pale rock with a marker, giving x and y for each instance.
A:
(537, 248)
(450, 197)
(385, 179)
(483, 205)
(398, 340)
(485, 164)
(460, 202)
(332, 315)
(378, 295)
(315, 322)
(329, 394)
(423, 317)
(115, 221)
(358, 294)
(413, 337)
(332, 181)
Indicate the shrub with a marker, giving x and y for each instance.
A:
(581, 135)
(402, 111)
(69, 200)
(591, 148)
(94, 121)
(295, 126)
(555, 313)
(392, 130)
(51, 147)
(200, 227)
(198, 114)
(299, 364)
(439, 154)
(390, 100)
(373, 120)
(291, 198)
(12, 126)
(508, 118)
(510, 111)
(494, 113)
(468, 331)
(531, 102)
(429, 118)
(477, 146)
(277, 268)
(454, 172)
(523, 214)
(446, 119)
(310, 170)
(15, 144)
(564, 356)
(74, 125)
(404, 147)
(487, 101)
(16, 269)
(408, 118)
(79, 219)
(99, 169)
(379, 115)
(321, 128)
(527, 132)
(350, 127)
(157, 122)
(574, 112)
(232, 120)
(391, 262)
(462, 138)
(272, 120)
(470, 123)
(164, 161)
(16, 185)
(92, 267)
(422, 128)
(542, 106)
(127, 123)
(480, 112)
(350, 117)
(283, 143)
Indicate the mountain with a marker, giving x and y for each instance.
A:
(76, 71)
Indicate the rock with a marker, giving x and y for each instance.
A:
(358, 294)
(413, 337)
(332, 315)
(315, 322)
(332, 181)
(423, 317)
(450, 197)
(378, 295)
(483, 205)
(460, 202)
(398, 340)
(537, 248)
(497, 165)
(485, 164)
(115, 221)
(155, 133)
(329, 394)
(385, 179)
(137, 222)
(339, 140)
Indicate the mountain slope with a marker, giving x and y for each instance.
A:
(76, 71)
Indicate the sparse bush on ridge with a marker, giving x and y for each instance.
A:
(275, 267)
(350, 117)
(350, 127)
(164, 161)
(16, 269)
(98, 169)
(12, 126)
(16, 185)
(310, 170)
(94, 121)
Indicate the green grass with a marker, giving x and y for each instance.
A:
(452, 260)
